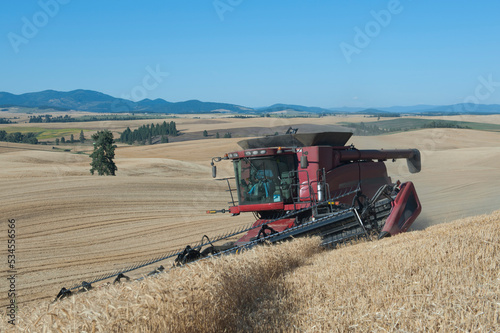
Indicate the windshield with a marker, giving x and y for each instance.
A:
(264, 179)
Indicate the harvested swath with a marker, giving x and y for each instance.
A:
(445, 278)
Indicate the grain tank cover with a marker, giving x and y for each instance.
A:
(298, 140)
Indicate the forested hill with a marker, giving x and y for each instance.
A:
(93, 101)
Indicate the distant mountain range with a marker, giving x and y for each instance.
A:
(93, 101)
(290, 107)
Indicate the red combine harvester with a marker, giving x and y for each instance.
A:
(312, 184)
(300, 185)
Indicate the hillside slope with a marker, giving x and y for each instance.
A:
(444, 278)
(73, 227)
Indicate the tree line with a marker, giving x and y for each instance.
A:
(217, 135)
(19, 137)
(444, 124)
(5, 121)
(72, 139)
(146, 133)
(364, 129)
(368, 129)
(48, 118)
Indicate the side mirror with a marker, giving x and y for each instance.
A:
(414, 163)
(303, 162)
(214, 171)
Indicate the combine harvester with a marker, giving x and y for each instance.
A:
(301, 185)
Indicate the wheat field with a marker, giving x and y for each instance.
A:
(73, 227)
(442, 279)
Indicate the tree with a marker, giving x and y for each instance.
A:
(126, 136)
(104, 152)
(146, 133)
(82, 137)
(72, 138)
(205, 133)
(172, 129)
(63, 140)
(164, 139)
(57, 142)
(19, 137)
(217, 135)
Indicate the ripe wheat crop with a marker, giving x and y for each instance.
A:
(445, 278)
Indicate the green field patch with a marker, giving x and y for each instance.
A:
(44, 133)
(121, 117)
(410, 124)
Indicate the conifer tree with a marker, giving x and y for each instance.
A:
(104, 152)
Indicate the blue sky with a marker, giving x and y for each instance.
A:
(255, 52)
